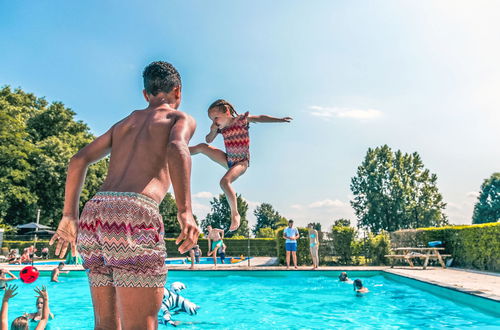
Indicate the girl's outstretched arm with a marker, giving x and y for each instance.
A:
(214, 130)
(268, 119)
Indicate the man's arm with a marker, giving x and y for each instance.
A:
(179, 168)
(221, 232)
(268, 119)
(77, 169)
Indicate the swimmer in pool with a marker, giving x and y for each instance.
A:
(343, 277)
(313, 245)
(56, 271)
(358, 287)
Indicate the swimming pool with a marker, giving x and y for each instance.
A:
(280, 300)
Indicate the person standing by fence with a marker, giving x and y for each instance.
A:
(314, 245)
(291, 235)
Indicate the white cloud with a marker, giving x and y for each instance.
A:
(203, 194)
(337, 112)
(327, 203)
(296, 206)
(201, 210)
(473, 194)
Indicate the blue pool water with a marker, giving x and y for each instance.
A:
(277, 300)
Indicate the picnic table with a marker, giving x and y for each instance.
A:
(409, 253)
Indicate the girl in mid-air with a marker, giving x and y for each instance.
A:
(236, 159)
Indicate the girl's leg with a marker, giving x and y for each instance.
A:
(214, 154)
(234, 173)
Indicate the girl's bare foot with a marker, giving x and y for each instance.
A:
(235, 222)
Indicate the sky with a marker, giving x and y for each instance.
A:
(420, 76)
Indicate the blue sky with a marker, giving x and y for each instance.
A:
(419, 76)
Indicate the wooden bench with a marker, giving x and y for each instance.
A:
(416, 253)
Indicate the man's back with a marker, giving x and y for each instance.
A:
(138, 161)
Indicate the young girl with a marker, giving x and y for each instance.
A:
(236, 159)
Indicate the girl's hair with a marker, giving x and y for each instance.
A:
(225, 105)
(357, 284)
(20, 323)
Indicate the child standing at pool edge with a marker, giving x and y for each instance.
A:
(236, 159)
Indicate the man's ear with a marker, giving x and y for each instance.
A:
(177, 92)
(146, 97)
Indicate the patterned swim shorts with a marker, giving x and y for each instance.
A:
(120, 238)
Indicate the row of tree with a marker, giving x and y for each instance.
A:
(392, 190)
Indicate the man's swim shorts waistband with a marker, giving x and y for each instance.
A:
(132, 195)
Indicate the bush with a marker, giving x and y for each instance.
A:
(471, 246)
(377, 247)
(344, 246)
(303, 254)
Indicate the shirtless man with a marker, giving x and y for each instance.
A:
(56, 271)
(215, 237)
(120, 231)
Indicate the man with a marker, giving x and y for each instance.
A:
(56, 271)
(215, 237)
(291, 235)
(120, 231)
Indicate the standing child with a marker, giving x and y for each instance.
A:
(236, 159)
(222, 253)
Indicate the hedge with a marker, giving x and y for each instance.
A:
(234, 247)
(471, 246)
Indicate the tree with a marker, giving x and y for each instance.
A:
(220, 217)
(37, 140)
(267, 217)
(316, 225)
(487, 208)
(394, 191)
(266, 232)
(168, 211)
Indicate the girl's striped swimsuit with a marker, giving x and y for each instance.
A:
(237, 141)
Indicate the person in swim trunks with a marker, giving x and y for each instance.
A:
(313, 245)
(236, 159)
(215, 237)
(291, 235)
(120, 231)
(4, 279)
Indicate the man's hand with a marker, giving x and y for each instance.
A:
(65, 234)
(189, 232)
(287, 119)
(10, 292)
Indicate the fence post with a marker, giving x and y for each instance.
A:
(248, 247)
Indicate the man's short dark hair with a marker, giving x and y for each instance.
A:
(290, 221)
(160, 77)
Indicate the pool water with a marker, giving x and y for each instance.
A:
(275, 300)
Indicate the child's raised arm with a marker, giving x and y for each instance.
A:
(214, 130)
(268, 119)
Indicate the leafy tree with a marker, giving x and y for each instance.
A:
(220, 217)
(316, 225)
(487, 208)
(267, 217)
(342, 222)
(168, 211)
(266, 232)
(37, 140)
(394, 191)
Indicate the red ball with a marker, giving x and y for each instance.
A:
(29, 274)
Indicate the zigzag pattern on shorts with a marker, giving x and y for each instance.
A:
(120, 238)
(237, 140)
